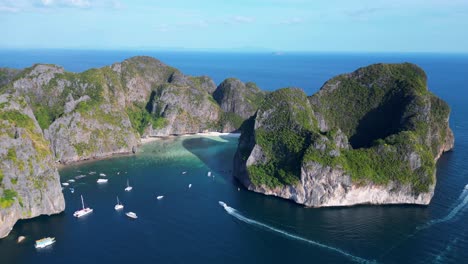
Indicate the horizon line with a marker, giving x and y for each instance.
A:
(234, 50)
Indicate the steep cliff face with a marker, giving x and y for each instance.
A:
(82, 115)
(29, 181)
(238, 101)
(372, 136)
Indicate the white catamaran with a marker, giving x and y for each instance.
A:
(118, 206)
(83, 211)
(128, 188)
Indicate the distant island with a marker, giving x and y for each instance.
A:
(372, 136)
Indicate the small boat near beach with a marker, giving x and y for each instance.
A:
(65, 183)
(102, 180)
(80, 177)
(71, 180)
(102, 174)
(128, 188)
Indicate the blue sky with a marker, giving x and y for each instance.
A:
(270, 25)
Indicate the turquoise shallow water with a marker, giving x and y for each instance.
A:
(189, 226)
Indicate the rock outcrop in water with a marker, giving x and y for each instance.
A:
(29, 181)
(369, 137)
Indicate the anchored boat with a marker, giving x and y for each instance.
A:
(118, 206)
(131, 215)
(128, 188)
(83, 211)
(42, 243)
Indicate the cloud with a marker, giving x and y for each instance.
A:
(66, 3)
(242, 19)
(363, 12)
(292, 21)
(9, 9)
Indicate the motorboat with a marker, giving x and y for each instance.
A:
(131, 215)
(102, 180)
(160, 197)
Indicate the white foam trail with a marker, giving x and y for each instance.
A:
(242, 218)
(443, 255)
(464, 201)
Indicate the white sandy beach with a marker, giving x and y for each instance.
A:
(205, 134)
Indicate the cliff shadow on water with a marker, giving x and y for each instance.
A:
(214, 152)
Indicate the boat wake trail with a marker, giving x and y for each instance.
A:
(233, 212)
(463, 201)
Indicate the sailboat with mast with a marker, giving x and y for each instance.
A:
(118, 206)
(83, 211)
(128, 188)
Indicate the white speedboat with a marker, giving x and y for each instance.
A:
(190, 185)
(42, 243)
(83, 211)
(131, 215)
(80, 177)
(102, 174)
(209, 174)
(102, 180)
(184, 172)
(71, 180)
(118, 206)
(160, 197)
(65, 183)
(128, 188)
(223, 204)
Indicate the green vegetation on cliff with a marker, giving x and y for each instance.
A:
(8, 198)
(283, 137)
(395, 127)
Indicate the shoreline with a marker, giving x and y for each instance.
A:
(143, 141)
(149, 139)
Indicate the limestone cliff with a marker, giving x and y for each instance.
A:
(372, 136)
(29, 181)
(239, 101)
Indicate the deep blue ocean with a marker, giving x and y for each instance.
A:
(189, 226)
